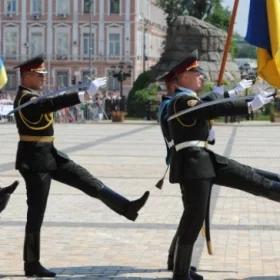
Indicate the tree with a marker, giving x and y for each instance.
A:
(172, 8)
(135, 100)
(209, 10)
(220, 16)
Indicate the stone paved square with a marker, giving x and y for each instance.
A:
(82, 239)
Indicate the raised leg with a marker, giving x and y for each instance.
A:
(242, 177)
(78, 177)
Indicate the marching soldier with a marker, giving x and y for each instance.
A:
(196, 168)
(218, 92)
(39, 161)
(170, 82)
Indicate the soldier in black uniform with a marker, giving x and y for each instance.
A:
(5, 194)
(39, 161)
(196, 168)
(171, 84)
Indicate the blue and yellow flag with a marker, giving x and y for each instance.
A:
(264, 32)
(3, 74)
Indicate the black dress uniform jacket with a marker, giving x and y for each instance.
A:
(163, 116)
(196, 162)
(39, 156)
(197, 169)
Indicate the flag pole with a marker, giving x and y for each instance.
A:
(228, 42)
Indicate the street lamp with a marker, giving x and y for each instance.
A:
(90, 38)
(121, 72)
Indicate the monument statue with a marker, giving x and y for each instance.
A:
(197, 8)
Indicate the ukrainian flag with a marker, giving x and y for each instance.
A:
(264, 32)
(3, 74)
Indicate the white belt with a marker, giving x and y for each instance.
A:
(194, 143)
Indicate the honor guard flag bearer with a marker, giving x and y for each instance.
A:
(3, 74)
(264, 33)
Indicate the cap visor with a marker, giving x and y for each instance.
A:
(41, 71)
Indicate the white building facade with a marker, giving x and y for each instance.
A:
(81, 38)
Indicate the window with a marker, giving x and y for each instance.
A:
(12, 80)
(10, 42)
(62, 79)
(62, 44)
(86, 76)
(113, 83)
(114, 6)
(36, 43)
(114, 44)
(36, 7)
(88, 6)
(62, 7)
(88, 45)
(11, 7)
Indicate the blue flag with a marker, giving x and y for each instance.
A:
(264, 33)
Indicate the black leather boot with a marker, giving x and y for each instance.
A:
(182, 262)
(194, 275)
(273, 195)
(5, 195)
(135, 205)
(171, 251)
(31, 256)
(36, 269)
(268, 174)
(271, 190)
(120, 204)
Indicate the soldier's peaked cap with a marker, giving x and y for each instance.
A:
(190, 63)
(35, 64)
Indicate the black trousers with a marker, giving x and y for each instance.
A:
(195, 193)
(38, 186)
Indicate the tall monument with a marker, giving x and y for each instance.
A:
(187, 34)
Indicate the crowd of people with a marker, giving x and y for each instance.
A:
(100, 107)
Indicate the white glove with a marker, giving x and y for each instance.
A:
(266, 94)
(258, 102)
(95, 85)
(218, 90)
(262, 91)
(211, 136)
(243, 84)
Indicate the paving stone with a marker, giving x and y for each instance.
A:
(82, 239)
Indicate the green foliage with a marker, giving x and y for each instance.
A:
(207, 87)
(172, 8)
(215, 14)
(241, 49)
(234, 48)
(135, 99)
(145, 100)
(220, 16)
(246, 51)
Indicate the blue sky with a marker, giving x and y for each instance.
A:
(242, 15)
